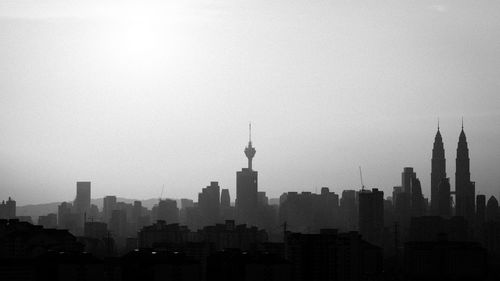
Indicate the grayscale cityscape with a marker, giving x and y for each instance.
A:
(214, 140)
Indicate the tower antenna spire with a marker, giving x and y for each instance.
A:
(462, 123)
(438, 123)
(250, 150)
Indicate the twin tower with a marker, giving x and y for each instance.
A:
(440, 185)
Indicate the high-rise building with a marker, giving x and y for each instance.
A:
(406, 179)
(438, 170)
(82, 200)
(464, 188)
(225, 199)
(118, 223)
(262, 199)
(417, 199)
(403, 200)
(109, 204)
(444, 204)
(226, 210)
(136, 211)
(246, 189)
(8, 209)
(209, 204)
(66, 219)
(371, 215)
(167, 211)
(186, 203)
(349, 210)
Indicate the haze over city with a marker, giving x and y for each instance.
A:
(150, 93)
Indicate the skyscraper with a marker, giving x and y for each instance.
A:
(444, 203)
(109, 204)
(209, 203)
(82, 200)
(371, 215)
(407, 177)
(438, 170)
(464, 188)
(417, 199)
(246, 188)
(225, 199)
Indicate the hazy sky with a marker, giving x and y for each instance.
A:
(133, 95)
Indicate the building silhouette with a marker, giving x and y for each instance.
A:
(95, 229)
(162, 233)
(82, 200)
(438, 171)
(407, 177)
(166, 210)
(443, 259)
(24, 240)
(246, 189)
(371, 215)
(209, 203)
(8, 209)
(48, 221)
(417, 199)
(480, 210)
(408, 198)
(309, 212)
(329, 255)
(349, 210)
(108, 206)
(225, 199)
(492, 209)
(464, 188)
(444, 195)
(227, 212)
(428, 228)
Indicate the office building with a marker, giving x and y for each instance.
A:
(108, 206)
(371, 215)
(82, 200)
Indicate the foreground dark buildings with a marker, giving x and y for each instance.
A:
(356, 235)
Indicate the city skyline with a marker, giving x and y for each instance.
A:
(284, 140)
(250, 153)
(140, 94)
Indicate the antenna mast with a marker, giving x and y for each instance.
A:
(361, 177)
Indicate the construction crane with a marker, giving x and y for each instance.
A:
(361, 177)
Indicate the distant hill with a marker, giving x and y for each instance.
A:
(46, 208)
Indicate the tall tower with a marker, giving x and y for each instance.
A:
(438, 170)
(250, 150)
(464, 188)
(246, 189)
